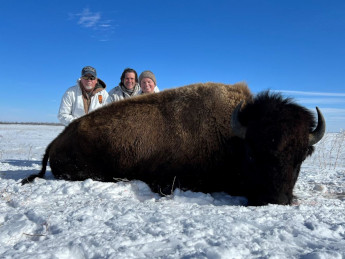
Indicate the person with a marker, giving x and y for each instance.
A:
(148, 83)
(128, 86)
(87, 95)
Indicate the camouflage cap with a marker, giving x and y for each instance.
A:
(88, 70)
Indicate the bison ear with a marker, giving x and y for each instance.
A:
(237, 128)
(318, 133)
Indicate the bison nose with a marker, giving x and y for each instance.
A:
(280, 199)
(283, 199)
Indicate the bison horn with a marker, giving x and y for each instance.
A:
(318, 133)
(237, 128)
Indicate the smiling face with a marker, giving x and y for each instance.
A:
(147, 85)
(129, 80)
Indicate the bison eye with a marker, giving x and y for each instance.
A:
(310, 150)
(307, 152)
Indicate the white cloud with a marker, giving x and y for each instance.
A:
(105, 25)
(321, 100)
(88, 19)
(334, 110)
(102, 28)
(311, 93)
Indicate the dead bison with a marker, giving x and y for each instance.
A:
(196, 137)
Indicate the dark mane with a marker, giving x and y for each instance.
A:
(276, 106)
(274, 97)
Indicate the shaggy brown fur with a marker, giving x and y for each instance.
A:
(183, 135)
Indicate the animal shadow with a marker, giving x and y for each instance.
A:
(20, 169)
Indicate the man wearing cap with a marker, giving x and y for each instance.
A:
(87, 95)
(148, 83)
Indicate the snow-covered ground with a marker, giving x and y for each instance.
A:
(59, 219)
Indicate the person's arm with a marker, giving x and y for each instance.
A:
(107, 98)
(114, 94)
(66, 107)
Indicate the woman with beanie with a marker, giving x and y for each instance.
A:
(148, 83)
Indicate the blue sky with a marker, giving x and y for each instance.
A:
(296, 47)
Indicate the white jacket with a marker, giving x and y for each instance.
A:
(72, 105)
(116, 94)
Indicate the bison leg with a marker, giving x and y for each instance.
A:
(78, 168)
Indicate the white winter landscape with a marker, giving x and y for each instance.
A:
(59, 219)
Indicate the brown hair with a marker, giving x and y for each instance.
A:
(128, 70)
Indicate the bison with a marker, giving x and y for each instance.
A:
(202, 137)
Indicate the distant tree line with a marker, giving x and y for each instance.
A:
(33, 123)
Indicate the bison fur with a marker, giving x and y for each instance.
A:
(203, 137)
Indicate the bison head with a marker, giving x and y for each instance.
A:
(277, 137)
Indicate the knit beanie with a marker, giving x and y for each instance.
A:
(147, 74)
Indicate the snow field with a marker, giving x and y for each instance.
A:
(89, 219)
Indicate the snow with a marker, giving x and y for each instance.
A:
(59, 219)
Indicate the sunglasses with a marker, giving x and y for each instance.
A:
(88, 77)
